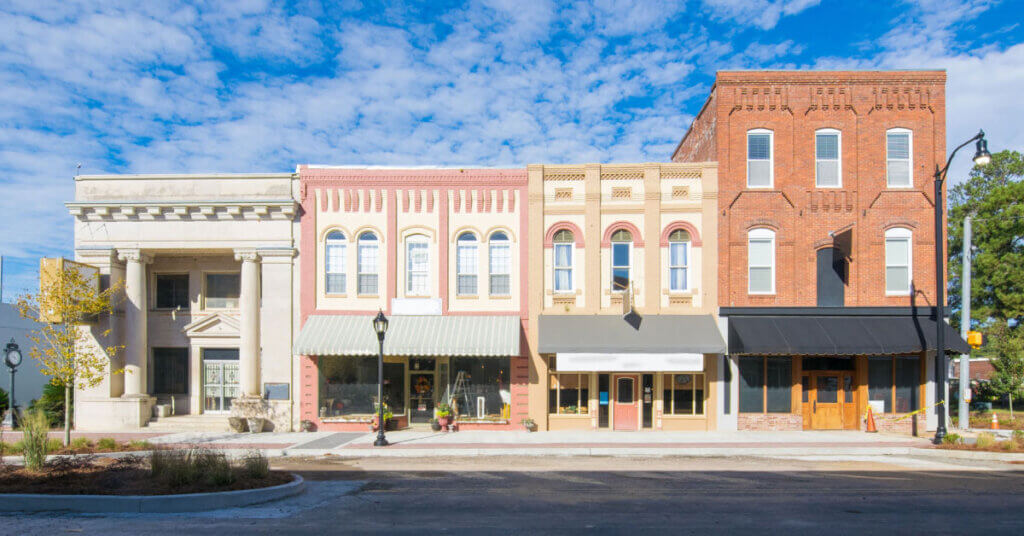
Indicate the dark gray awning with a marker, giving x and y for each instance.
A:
(837, 335)
(651, 334)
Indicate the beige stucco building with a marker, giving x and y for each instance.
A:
(210, 281)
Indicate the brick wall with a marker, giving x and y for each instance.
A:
(770, 422)
(862, 106)
(897, 424)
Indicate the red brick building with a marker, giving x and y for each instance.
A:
(826, 241)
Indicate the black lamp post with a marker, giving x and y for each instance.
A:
(12, 357)
(981, 158)
(380, 325)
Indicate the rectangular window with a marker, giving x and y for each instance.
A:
(466, 263)
(500, 268)
(761, 263)
(897, 265)
(897, 159)
(570, 393)
(170, 371)
(827, 168)
(895, 381)
(172, 291)
(620, 266)
(348, 386)
(751, 385)
(486, 386)
(880, 380)
(678, 262)
(418, 269)
(222, 291)
(759, 159)
(683, 394)
(335, 272)
(563, 267)
(367, 263)
(778, 383)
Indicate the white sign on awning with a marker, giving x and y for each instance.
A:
(593, 362)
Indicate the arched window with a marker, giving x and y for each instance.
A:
(334, 262)
(564, 244)
(368, 250)
(679, 260)
(760, 158)
(622, 246)
(417, 265)
(828, 153)
(898, 261)
(466, 265)
(500, 264)
(761, 261)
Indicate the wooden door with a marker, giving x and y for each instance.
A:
(626, 402)
(826, 399)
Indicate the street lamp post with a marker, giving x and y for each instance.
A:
(981, 158)
(12, 357)
(380, 325)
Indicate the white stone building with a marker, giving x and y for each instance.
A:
(210, 311)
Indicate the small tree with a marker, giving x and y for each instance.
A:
(63, 346)
(1008, 378)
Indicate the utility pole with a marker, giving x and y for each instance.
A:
(965, 326)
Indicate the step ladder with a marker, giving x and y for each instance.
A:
(461, 388)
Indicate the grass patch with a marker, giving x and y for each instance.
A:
(106, 443)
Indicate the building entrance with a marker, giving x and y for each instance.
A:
(625, 417)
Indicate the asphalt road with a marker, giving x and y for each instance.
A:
(609, 495)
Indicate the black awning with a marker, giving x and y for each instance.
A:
(838, 335)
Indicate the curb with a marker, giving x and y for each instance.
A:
(612, 451)
(977, 455)
(117, 504)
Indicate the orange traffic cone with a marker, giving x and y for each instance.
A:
(995, 421)
(871, 422)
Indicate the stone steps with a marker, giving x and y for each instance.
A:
(190, 423)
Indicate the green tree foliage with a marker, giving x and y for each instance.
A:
(1008, 346)
(4, 401)
(994, 197)
(52, 404)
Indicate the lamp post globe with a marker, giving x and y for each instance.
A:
(380, 326)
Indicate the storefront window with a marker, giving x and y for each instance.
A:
(765, 384)
(569, 393)
(895, 381)
(751, 385)
(779, 381)
(485, 389)
(348, 386)
(683, 394)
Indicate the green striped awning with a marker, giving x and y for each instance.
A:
(353, 335)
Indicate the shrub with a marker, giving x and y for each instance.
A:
(107, 443)
(256, 465)
(35, 442)
(1008, 445)
(179, 468)
(141, 444)
(3, 402)
(52, 404)
(985, 440)
(81, 443)
(952, 439)
(1018, 438)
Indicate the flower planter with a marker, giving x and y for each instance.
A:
(444, 423)
(255, 424)
(435, 426)
(238, 425)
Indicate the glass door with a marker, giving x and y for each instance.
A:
(422, 390)
(220, 385)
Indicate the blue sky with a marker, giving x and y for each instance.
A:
(261, 86)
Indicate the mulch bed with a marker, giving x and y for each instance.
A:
(107, 476)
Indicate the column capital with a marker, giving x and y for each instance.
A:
(134, 255)
(247, 255)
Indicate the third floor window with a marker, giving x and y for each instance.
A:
(759, 158)
(827, 159)
(899, 146)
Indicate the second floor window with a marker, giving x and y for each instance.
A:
(500, 259)
(335, 262)
(172, 291)
(826, 159)
(897, 261)
(564, 242)
(222, 291)
(898, 147)
(367, 264)
(622, 242)
(761, 261)
(678, 260)
(417, 266)
(466, 265)
(759, 158)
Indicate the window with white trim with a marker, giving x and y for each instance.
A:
(899, 146)
(367, 257)
(678, 260)
(898, 260)
(564, 246)
(760, 158)
(417, 265)
(761, 261)
(466, 264)
(334, 263)
(500, 264)
(622, 244)
(828, 152)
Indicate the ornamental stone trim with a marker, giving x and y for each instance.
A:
(213, 210)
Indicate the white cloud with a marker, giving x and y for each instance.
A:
(764, 14)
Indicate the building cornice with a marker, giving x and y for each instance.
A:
(279, 209)
(184, 176)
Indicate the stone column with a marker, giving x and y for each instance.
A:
(135, 319)
(249, 325)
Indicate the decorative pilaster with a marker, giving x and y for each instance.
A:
(249, 324)
(135, 322)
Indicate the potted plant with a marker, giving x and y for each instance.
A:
(306, 425)
(388, 415)
(444, 415)
(434, 425)
(529, 424)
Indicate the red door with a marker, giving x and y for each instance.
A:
(625, 403)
